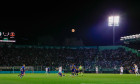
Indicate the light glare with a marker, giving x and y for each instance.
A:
(113, 21)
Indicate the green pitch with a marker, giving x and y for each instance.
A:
(55, 79)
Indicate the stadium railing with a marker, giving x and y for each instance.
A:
(28, 69)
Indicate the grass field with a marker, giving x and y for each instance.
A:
(85, 79)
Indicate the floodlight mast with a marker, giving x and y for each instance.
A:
(113, 21)
(113, 35)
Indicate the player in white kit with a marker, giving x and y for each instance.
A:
(121, 70)
(136, 70)
(46, 70)
(96, 69)
(60, 71)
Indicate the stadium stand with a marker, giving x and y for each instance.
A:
(51, 56)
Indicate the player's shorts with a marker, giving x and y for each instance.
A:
(136, 70)
(133, 70)
(76, 71)
(80, 70)
(72, 70)
(60, 71)
(48, 70)
(60, 74)
(22, 72)
(121, 70)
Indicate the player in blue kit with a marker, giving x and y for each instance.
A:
(133, 70)
(73, 69)
(76, 73)
(22, 71)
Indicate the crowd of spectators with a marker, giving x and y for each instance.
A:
(88, 57)
(116, 58)
(12, 56)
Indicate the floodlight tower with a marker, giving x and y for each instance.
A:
(113, 21)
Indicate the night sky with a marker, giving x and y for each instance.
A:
(56, 19)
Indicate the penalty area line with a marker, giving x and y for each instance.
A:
(112, 82)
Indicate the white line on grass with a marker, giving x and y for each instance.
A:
(112, 82)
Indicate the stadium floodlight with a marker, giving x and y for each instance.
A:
(133, 36)
(113, 21)
(130, 37)
(137, 35)
(122, 37)
(125, 37)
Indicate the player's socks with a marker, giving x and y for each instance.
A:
(137, 73)
(21, 76)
